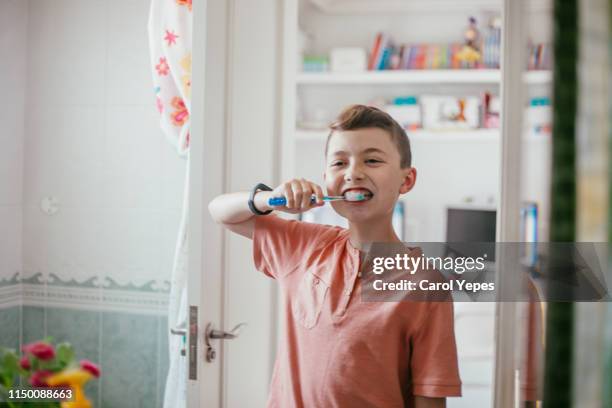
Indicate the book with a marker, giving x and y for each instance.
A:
(375, 51)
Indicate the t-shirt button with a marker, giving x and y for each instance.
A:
(316, 281)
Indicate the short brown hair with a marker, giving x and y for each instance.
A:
(361, 116)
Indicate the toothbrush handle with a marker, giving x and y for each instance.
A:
(278, 201)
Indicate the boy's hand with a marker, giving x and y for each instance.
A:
(297, 192)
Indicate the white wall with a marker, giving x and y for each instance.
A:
(13, 45)
(92, 140)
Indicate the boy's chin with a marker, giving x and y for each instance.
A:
(364, 215)
(359, 217)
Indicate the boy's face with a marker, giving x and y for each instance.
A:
(366, 159)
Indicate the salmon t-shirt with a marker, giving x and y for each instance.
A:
(337, 351)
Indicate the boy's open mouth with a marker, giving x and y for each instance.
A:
(357, 194)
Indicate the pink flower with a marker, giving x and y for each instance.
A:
(170, 37)
(162, 68)
(160, 105)
(93, 368)
(25, 363)
(39, 378)
(187, 3)
(180, 115)
(40, 350)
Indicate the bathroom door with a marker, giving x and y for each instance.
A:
(204, 283)
(235, 129)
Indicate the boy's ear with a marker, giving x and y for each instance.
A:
(410, 175)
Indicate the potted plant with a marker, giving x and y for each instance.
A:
(49, 374)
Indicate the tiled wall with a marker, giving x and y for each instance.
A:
(132, 349)
(92, 140)
(79, 124)
(13, 43)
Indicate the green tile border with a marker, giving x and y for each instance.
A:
(11, 280)
(92, 282)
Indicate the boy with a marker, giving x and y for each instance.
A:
(338, 351)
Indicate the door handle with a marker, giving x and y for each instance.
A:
(223, 335)
(211, 333)
(180, 330)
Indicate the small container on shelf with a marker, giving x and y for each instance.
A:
(348, 59)
(450, 113)
(491, 111)
(538, 117)
(406, 111)
(315, 63)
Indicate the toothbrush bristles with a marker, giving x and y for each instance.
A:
(356, 196)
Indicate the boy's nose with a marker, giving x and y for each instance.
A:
(353, 174)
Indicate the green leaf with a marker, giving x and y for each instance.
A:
(9, 366)
(64, 353)
(48, 339)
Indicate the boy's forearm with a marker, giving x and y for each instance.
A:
(233, 208)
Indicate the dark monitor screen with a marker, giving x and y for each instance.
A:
(470, 225)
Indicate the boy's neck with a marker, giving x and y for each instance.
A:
(361, 234)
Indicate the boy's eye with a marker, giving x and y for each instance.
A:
(337, 163)
(373, 161)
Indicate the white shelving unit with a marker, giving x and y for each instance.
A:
(417, 77)
(368, 7)
(425, 136)
(306, 94)
(432, 136)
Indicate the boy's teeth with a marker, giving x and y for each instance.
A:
(357, 195)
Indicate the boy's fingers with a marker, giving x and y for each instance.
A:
(307, 193)
(289, 195)
(319, 193)
(297, 193)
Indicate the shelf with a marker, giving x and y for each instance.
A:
(419, 135)
(435, 76)
(369, 7)
(538, 77)
(434, 136)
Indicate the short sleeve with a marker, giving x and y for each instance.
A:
(434, 366)
(281, 246)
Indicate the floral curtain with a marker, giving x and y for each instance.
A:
(170, 36)
(170, 31)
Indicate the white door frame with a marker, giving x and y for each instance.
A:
(235, 103)
(206, 259)
(508, 217)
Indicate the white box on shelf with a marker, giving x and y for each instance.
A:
(449, 112)
(348, 59)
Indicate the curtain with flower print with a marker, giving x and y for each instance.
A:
(170, 24)
(170, 36)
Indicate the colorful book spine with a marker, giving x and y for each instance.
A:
(375, 51)
(382, 53)
(386, 55)
(412, 59)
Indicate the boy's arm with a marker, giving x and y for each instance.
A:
(232, 210)
(426, 402)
